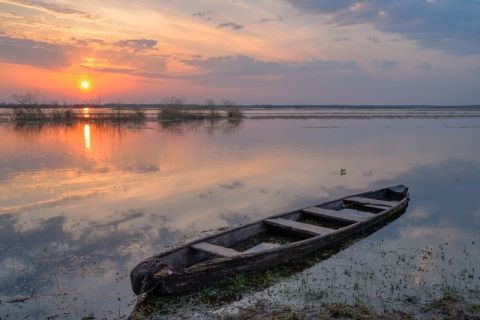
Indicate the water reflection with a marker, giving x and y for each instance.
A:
(37, 127)
(86, 130)
(73, 223)
(209, 126)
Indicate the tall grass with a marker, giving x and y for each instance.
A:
(63, 115)
(176, 109)
(28, 108)
(120, 116)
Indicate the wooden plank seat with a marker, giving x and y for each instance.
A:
(214, 249)
(298, 227)
(337, 215)
(367, 201)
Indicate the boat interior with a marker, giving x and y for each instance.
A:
(286, 228)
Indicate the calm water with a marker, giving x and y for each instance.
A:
(81, 205)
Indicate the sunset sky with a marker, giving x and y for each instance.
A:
(251, 51)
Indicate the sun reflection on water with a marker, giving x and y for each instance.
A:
(86, 133)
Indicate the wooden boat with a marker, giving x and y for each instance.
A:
(265, 243)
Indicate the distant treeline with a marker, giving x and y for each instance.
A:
(346, 106)
(252, 106)
(32, 99)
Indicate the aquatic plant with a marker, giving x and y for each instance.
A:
(234, 113)
(120, 115)
(211, 109)
(232, 109)
(63, 115)
(175, 109)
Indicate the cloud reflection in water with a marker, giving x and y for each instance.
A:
(74, 220)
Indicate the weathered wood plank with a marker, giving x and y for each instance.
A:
(214, 249)
(367, 201)
(299, 227)
(335, 215)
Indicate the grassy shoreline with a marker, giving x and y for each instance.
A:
(320, 286)
(446, 307)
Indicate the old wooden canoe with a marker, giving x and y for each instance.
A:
(265, 243)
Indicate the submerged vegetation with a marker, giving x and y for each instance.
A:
(428, 283)
(443, 308)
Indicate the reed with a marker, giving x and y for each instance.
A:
(176, 109)
(28, 108)
(235, 113)
(135, 115)
(65, 114)
(232, 110)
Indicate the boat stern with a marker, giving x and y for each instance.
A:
(148, 274)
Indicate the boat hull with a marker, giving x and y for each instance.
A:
(177, 270)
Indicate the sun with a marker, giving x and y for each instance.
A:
(85, 84)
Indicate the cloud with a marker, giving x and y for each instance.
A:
(385, 65)
(201, 14)
(137, 45)
(243, 71)
(234, 65)
(232, 25)
(373, 40)
(425, 66)
(242, 65)
(447, 25)
(33, 53)
(88, 41)
(53, 8)
(331, 65)
(268, 20)
(126, 62)
(321, 6)
(234, 185)
(112, 70)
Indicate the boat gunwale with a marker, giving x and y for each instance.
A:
(250, 224)
(360, 225)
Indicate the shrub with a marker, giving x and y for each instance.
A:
(212, 112)
(27, 108)
(235, 113)
(173, 109)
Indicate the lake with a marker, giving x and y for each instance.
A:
(81, 205)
